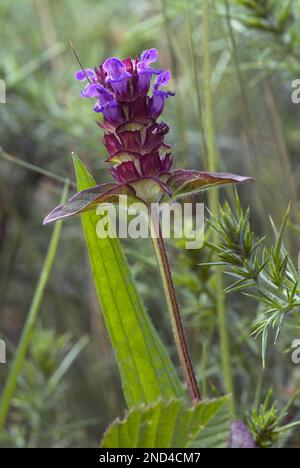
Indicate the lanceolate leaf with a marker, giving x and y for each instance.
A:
(172, 425)
(145, 367)
(89, 199)
(187, 182)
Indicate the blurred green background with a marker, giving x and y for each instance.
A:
(255, 59)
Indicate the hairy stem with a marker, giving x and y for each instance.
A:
(173, 307)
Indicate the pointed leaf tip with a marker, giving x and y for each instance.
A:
(88, 200)
(187, 182)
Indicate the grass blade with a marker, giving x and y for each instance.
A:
(16, 367)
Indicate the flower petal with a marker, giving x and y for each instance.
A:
(115, 69)
(88, 200)
(162, 79)
(149, 56)
(240, 436)
(187, 182)
(82, 75)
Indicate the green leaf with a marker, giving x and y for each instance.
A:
(172, 425)
(89, 200)
(187, 182)
(145, 367)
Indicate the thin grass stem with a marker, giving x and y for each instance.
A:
(214, 202)
(26, 337)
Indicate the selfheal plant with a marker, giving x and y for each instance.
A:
(141, 162)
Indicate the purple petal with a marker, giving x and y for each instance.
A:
(157, 102)
(162, 79)
(113, 114)
(98, 107)
(240, 436)
(106, 98)
(149, 56)
(106, 101)
(144, 81)
(91, 90)
(144, 71)
(117, 75)
(115, 69)
(82, 75)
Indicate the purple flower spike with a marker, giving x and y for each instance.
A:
(82, 75)
(240, 436)
(135, 144)
(117, 75)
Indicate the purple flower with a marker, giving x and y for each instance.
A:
(240, 436)
(162, 79)
(106, 102)
(157, 102)
(144, 71)
(85, 74)
(117, 75)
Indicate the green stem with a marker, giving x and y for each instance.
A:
(288, 427)
(16, 367)
(173, 307)
(32, 167)
(246, 115)
(196, 80)
(214, 202)
(174, 64)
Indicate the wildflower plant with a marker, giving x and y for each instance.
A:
(142, 167)
(141, 162)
